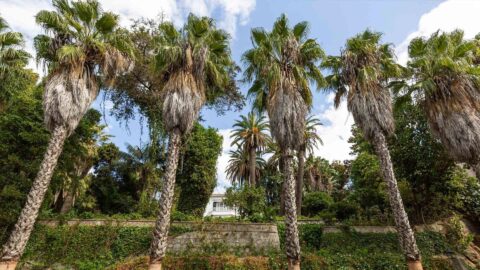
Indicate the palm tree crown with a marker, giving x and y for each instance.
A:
(250, 132)
(82, 47)
(11, 54)
(281, 65)
(447, 82)
(238, 170)
(320, 174)
(312, 139)
(196, 66)
(362, 73)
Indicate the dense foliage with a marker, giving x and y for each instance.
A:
(23, 140)
(250, 203)
(197, 173)
(89, 248)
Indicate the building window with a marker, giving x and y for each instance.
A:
(220, 207)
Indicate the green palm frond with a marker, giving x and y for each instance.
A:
(107, 23)
(361, 75)
(283, 52)
(80, 36)
(12, 55)
(251, 132)
(312, 138)
(364, 65)
(444, 70)
(211, 61)
(238, 170)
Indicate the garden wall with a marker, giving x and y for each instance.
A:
(196, 235)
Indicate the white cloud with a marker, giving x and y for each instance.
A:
(235, 12)
(335, 132)
(20, 13)
(447, 16)
(222, 181)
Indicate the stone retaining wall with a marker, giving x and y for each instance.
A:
(243, 237)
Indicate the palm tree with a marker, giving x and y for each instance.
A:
(12, 56)
(312, 139)
(361, 73)
(238, 169)
(82, 155)
(281, 65)
(84, 47)
(144, 168)
(196, 67)
(447, 83)
(250, 133)
(320, 174)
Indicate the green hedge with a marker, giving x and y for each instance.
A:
(99, 247)
(85, 247)
(368, 251)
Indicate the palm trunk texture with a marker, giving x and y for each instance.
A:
(16, 243)
(292, 242)
(160, 234)
(299, 187)
(253, 159)
(404, 230)
(67, 204)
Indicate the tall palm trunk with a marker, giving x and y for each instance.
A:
(281, 167)
(160, 234)
(68, 202)
(252, 161)
(14, 247)
(299, 187)
(292, 242)
(404, 230)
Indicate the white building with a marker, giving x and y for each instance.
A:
(217, 208)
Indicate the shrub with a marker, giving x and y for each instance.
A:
(90, 248)
(344, 209)
(327, 216)
(315, 202)
(311, 235)
(250, 202)
(456, 234)
(179, 216)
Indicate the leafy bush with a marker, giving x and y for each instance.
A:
(250, 202)
(468, 188)
(315, 202)
(344, 209)
(350, 250)
(84, 247)
(311, 235)
(90, 248)
(179, 216)
(456, 234)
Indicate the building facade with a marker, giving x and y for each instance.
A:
(217, 208)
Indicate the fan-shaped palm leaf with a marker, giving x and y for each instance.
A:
(446, 81)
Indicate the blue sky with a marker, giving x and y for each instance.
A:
(331, 23)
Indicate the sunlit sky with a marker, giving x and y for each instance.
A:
(331, 23)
